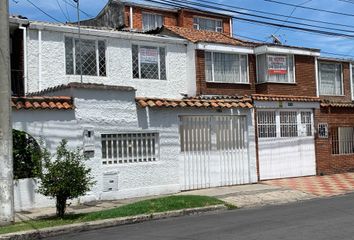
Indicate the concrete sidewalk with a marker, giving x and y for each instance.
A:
(253, 195)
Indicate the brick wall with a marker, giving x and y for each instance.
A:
(326, 162)
(208, 88)
(305, 77)
(170, 18)
(346, 83)
(185, 19)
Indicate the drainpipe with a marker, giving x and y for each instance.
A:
(25, 74)
(131, 17)
(317, 83)
(39, 60)
(231, 28)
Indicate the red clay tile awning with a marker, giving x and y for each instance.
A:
(42, 103)
(197, 102)
(195, 36)
(338, 104)
(290, 98)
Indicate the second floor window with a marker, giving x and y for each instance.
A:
(149, 62)
(214, 25)
(275, 68)
(152, 21)
(225, 67)
(93, 57)
(330, 78)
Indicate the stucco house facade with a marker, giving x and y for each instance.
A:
(167, 100)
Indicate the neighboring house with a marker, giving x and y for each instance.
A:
(169, 101)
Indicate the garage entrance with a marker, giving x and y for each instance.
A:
(286, 143)
(214, 151)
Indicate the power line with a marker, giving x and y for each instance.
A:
(292, 12)
(311, 8)
(62, 10)
(277, 14)
(82, 11)
(177, 3)
(38, 8)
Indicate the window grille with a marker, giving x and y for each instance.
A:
(288, 124)
(214, 25)
(149, 62)
(323, 130)
(225, 67)
(270, 70)
(129, 148)
(93, 57)
(267, 127)
(330, 78)
(343, 140)
(279, 124)
(306, 121)
(152, 21)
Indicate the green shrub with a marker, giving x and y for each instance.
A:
(27, 155)
(66, 177)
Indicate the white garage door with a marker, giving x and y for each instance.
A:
(286, 144)
(214, 151)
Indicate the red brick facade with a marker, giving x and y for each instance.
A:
(182, 18)
(209, 88)
(305, 77)
(326, 162)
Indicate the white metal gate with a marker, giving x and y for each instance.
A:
(286, 144)
(214, 151)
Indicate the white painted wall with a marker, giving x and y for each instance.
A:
(180, 65)
(113, 112)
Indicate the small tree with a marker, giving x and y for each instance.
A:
(65, 178)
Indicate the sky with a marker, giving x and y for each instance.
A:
(63, 10)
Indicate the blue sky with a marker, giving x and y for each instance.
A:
(325, 43)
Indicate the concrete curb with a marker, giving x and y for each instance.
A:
(80, 227)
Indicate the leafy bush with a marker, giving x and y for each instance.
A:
(66, 177)
(27, 155)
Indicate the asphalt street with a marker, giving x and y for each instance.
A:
(319, 219)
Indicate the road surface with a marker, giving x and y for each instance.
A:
(319, 219)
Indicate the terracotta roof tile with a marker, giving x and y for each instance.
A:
(337, 104)
(196, 102)
(195, 36)
(96, 86)
(37, 103)
(264, 97)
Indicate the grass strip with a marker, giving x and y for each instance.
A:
(150, 206)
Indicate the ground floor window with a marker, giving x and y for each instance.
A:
(287, 123)
(129, 148)
(343, 140)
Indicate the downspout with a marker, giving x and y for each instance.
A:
(231, 28)
(317, 83)
(131, 17)
(25, 74)
(39, 60)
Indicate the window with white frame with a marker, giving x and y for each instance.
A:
(330, 78)
(129, 148)
(149, 62)
(275, 68)
(225, 67)
(214, 25)
(281, 124)
(93, 57)
(152, 21)
(343, 140)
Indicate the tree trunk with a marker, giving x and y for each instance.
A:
(61, 206)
